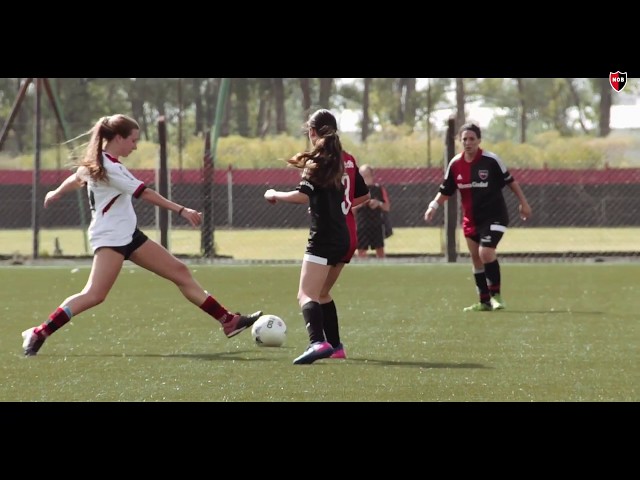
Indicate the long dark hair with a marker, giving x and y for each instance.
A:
(323, 165)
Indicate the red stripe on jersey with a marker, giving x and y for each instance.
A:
(113, 200)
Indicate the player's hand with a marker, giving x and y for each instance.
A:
(525, 211)
(192, 216)
(270, 196)
(428, 215)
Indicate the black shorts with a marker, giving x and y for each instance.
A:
(489, 235)
(325, 255)
(370, 236)
(137, 240)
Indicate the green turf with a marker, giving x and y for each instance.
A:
(569, 333)
(288, 244)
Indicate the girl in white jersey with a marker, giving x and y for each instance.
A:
(114, 235)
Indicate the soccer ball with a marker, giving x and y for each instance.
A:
(269, 331)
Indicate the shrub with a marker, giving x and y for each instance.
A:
(392, 147)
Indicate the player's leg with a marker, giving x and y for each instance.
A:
(157, 259)
(377, 241)
(330, 312)
(329, 309)
(363, 242)
(106, 266)
(313, 275)
(482, 289)
(489, 257)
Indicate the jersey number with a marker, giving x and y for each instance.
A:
(346, 201)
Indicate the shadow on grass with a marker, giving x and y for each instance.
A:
(190, 356)
(245, 356)
(549, 312)
(401, 363)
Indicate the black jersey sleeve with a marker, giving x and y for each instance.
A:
(448, 186)
(306, 187)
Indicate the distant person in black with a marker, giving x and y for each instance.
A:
(369, 219)
(480, 177)
(329, 239)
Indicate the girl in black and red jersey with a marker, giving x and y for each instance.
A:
(480, 177)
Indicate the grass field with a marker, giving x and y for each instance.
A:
(570, 333)
(288, 244)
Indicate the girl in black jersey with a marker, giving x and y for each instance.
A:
(480, 176)
(329, 240)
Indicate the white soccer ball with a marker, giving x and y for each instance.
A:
(269, 331)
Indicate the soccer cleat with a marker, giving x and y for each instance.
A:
(31, 342)
(239, 323)
(315, 351)
(478, 307)
(497, 303)
(339, 352)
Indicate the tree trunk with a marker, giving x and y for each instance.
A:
(460, 103)
(578, 104)
(366, 121)
(325, 92)
(410, 102)
(278, 94)
(211, 97)
(197, 101)
(240, 86)
(523, 111)
(604, 120)
(264, 108)
(305, 87)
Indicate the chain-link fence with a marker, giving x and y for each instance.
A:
(575, 213)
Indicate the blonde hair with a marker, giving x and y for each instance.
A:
(105, 130)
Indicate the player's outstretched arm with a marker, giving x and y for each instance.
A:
(294, 196)
(194, 217)
(72, 182)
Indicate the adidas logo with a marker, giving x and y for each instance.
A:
(348, 164)
(459, 177)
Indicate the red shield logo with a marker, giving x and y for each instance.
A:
(618, 80)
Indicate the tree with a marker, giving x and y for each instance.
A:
(365, 110)
(305, 87)
(460, 103)
(604, 117)
(324, 96)
(240, 90)
(264, 107)
(278, 96)
(523, 110)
